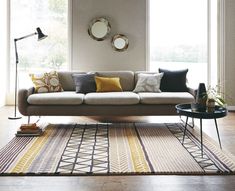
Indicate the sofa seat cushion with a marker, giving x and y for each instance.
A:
(56, 98)
(165, 98)
(112, 98)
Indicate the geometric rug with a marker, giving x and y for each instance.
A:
(115, 149)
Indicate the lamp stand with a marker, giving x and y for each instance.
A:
(40, 37)
(16, 86)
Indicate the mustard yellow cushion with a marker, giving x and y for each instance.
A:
(108, 84)
(46, 82)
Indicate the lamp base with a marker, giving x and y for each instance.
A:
(14, 118)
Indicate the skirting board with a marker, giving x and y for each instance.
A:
(231, 108)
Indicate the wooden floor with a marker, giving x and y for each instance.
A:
(118, 183)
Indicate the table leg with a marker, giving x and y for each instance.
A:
(218, 133)
(201, 137)
(185, 128)
(192, 122)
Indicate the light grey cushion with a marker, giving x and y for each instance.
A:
(142, 72)
(126, 78)
(148, 83)
(57, 98)
(165, 98)
(112, 98)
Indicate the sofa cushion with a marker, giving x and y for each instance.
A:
(148, 83)
(165, 98)
(85, 83)
(46, 82)
(126, 78)
(105, 84)
(112, 98)
(173, 81)
(136, 75)
(56, 98)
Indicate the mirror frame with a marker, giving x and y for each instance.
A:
(103, 20)
(115, 37)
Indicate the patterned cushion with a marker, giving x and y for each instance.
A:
(105, 84)
(148, 83)
(46, 82)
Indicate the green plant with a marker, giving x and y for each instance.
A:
(214, 93)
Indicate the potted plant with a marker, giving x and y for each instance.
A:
(214, 97)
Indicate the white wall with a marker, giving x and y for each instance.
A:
(3, 50)
(230, 51)
(127, 17)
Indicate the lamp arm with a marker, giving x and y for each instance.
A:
(16, 39)
(23, 37)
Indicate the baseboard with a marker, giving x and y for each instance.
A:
(231, 108)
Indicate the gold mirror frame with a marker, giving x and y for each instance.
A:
(121, 37)
(93, 23)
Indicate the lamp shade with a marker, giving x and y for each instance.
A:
(40, 34)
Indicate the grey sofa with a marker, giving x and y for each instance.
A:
(126, 103)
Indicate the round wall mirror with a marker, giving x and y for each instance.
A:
(99, 29)
(120, 42)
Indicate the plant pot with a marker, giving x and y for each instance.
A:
(210, 105)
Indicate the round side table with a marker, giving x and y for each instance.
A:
(185, 110)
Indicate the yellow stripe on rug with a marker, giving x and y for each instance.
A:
(137, 154)
(24, 163)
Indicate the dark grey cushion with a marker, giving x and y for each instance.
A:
(173, 81)
(85, 83)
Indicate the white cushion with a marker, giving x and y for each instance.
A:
(165, 98)
(56, 98)
(148, 83)
(112, 98)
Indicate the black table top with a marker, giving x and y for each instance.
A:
(185, 109)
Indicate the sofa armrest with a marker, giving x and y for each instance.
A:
(23, 95)
(193, 92)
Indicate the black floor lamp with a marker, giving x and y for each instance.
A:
(40, 37)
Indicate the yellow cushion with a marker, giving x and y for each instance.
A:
(106, 84)
(46, 82)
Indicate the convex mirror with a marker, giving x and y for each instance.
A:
(99, 29)
(120, 42)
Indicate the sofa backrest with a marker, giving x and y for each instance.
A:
(66, 80)
(126, 79)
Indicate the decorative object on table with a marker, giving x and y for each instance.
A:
(93, 149)
(30, 129)
(40, 37)
(201, 97)
(214, 96)
(210, 104)
(99, 29)
(120, 42)
(195, 106)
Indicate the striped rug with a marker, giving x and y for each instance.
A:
(119, 148)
